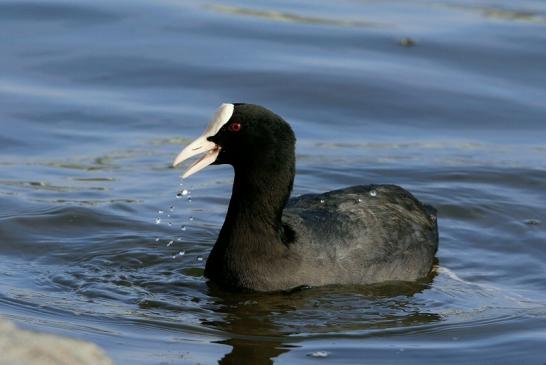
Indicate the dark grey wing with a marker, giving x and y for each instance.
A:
(374, 227)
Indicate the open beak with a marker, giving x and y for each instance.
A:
(200, 145)
(203, 145)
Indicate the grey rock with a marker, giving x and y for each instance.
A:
(21, 347)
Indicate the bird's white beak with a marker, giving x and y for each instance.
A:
(202, 145)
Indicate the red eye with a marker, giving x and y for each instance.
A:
(234, 127)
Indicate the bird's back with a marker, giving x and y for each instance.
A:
(361, 235)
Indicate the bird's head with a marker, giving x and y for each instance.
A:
(242, 135)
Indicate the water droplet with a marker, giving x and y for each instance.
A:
(359, 200)
(184, 192)
(157, 220)
(171, 208)
(319, 354)
(178, 195)
(181, 184)
(199, 258)
(191, 219)
(159, 212)
(170, 224)
(373, 193)
(170, 243)
(180, 253)
(179, 239)
(183, 228)
(157, 239)
(321, 201)
(189, 199)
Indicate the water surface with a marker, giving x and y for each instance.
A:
(96, 98)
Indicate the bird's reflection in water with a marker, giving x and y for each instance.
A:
(260, 326)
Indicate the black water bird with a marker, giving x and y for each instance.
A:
(358, 235)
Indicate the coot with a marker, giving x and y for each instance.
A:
(358, 235)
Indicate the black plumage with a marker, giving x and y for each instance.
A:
(357, 235)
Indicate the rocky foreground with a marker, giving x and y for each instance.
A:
(21, 347)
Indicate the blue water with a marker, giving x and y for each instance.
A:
(445, 98)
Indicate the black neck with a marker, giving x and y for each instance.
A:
(258, 199)
(253, 227)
